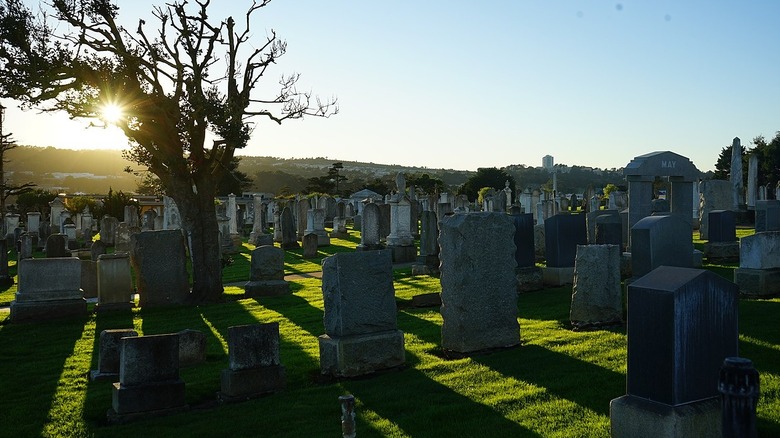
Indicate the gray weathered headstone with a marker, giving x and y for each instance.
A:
(660, 240)
(114, 282)
(192, 347)
(108, 354)
(254, 364)
(57, 246)
(160, 264)
(596, 294)
(266, 275)
(479, 292)
(48, 288)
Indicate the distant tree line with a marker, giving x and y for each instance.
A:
(768, 153)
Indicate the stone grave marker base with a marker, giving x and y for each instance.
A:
(146, 400)
(721, 252)
(266, 288)
(558, 276)
(241, 385)
(427, 300)
(761, 282)
(404, 253)
(351, 356)
(46, 310)
(529, 279)
(636, 417)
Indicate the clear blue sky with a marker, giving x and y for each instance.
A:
(461, 85)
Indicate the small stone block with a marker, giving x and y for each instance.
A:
(403, 254)
(47, 310)
(635, 417)
(721, 252)
(192, 347)
(558, 276)
(352, 356)
(252, 346)
(761, 282)
(245, 384)
(427, 300)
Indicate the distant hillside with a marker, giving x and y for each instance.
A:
(95, 171)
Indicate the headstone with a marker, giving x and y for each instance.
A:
(659, 206)
(479, 303)
(11, 222)
(562, 234)
(529, 277)
(108, 226)
(384, 220)
(596, 299)
(122, 238)
(400, 240)
(57, 246)
(590, 221)
(767, 215)
(278, 227)
(70, 233)
(310, 246)
(149, 380)
(752, 181)
(340, 228)
(759, 264)
(5, 277)
(89, 284)
(171, 216)
(148, 220)
(609, 229)
(26, 246)
(737, 187)
(429, 244)
(257, 223)
(232, 212)
(682, 324)
(33, 222)
(370, 228)
(108, 354)
(660, 240)
(48, 288)
(723, 226)
(715, 195)
(96, 249)
(266, 275)
(114, 282)
(131, 216)
(289, 237)
(56, 208)
(159, 261)
(192, 347)
(254, 364)
(361, 334)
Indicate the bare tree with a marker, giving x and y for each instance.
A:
(190, 77)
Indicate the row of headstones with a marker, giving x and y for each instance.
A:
(145, 369)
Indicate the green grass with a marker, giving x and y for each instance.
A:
(558, 383)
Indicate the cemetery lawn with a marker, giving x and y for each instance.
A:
(557, 383)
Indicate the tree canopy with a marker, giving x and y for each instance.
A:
(486, 177)
(184, 94)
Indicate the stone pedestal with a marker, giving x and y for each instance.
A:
(558, 276)
(266, 276)
(529, 279)
(761, 282)
(635, 417)
(721, 252)
(403, 253)
(239, 385)
(350, 356)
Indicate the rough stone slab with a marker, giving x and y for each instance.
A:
(352, 356)
(358, 293)
(49, 279)
(192, 347)
(148, 359)
(253, 346)
(108, 355)
(427, 300)
(239, 385)
(147, 397)
(635, 417)
(760, 282)
(159, 261)
(721, 252)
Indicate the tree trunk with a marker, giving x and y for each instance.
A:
(199, 221)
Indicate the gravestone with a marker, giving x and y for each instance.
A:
(26, 246)
(114, 282)
(759, 264)
(722, 246)
(108, 354)
(529, 277)
(302, 217)
(562, 234)
(767, 216)
(96, 249)
(400, 240)
(609, 230)
(89, 284)
(131, 216)
(660, 240)
(714, 195)
(428, 260)
(370, 228)
(278, 227)
(122, 238)
(682, 324)
(340, 228)
(147, 222)
(108, 226)
(596, 299)
(735, 177)
(171, 215)
(479, 289)
(48, 288)
(384, 220)
(70, 234)
(752, 181)
(361, 334)
(57, 246)
(149, 383)
(33, 225)
(289, 236)
(192, 347)
(159, 261)
(5, 277)
(310, 246)
(315, 224)
(254, 365)
(590, 221)
(266, 275)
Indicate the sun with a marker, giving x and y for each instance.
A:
(111, 113)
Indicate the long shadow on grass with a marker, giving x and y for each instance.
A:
(547, 304)
(298, 310)
(33, 359)
(444, 412)
(588, 385)
(758, 319)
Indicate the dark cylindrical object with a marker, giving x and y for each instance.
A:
(739, 388)
(347, 415)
